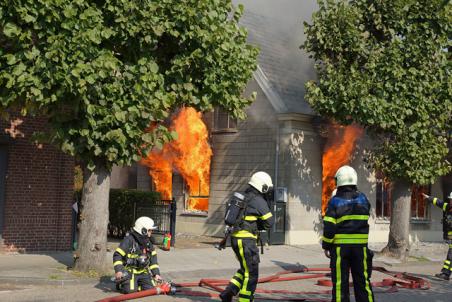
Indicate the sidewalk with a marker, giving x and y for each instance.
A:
(191, 263)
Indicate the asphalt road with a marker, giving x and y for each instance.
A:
(441, 291)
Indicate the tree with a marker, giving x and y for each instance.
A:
(385, 65)
(103, 71)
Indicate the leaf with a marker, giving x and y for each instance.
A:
(11, 30)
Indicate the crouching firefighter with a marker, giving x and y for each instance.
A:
(345, 236)
(446, 206)
(247, 215)
(135, 260)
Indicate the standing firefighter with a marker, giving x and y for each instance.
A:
(253, 215)
(345, 236)
(135, 260)
(447, 232)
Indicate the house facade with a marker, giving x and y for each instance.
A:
(36, 190)
(281, 136)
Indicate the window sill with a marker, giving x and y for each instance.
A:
(225, 131)
(382, 221)
(197, 214)
(420, 221)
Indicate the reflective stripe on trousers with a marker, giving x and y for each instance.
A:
(447, 266)
(244, 282)
(358, 259)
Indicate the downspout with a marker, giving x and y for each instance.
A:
(275, 183)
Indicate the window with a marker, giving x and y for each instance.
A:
(419, 206)
(383, 198)
(223, 121)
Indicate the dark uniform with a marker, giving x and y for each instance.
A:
(345, 235)
(137, 256)
(257, 217)
(447, 231)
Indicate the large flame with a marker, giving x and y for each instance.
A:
(161, 172)
(190, 154)
(340, 145)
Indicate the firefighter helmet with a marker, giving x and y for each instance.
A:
(261, 181)
(143, 224)
(346, 176)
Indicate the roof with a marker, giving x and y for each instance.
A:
(283, 66)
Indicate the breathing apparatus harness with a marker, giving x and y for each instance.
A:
(143, 259)
(235, 217)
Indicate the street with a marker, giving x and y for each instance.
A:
(439, 292)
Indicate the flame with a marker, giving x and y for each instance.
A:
(340, 145)
(190, 154)
(161, 172)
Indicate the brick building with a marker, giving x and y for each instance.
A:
(36, 188)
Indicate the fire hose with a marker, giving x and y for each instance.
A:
(397, 280)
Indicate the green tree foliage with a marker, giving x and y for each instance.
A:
(386, 65)
(102, 71)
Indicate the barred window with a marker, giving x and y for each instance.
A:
(383, 197)
(419, 206)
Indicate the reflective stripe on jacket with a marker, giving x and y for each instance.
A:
(346, 219)
(130, 249)
(257, 216)
(447, 215)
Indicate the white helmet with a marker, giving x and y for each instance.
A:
(261, 181)
(345, 176)
(143, 224)
(450, 195)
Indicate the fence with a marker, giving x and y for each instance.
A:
(163, 212)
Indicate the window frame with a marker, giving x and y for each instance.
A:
(386, 192)
(427, 216)
(228, 128)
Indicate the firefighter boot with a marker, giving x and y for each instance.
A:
(442, 276)
(226, 295)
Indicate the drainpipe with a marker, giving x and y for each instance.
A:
(275, 183)
(276, 155)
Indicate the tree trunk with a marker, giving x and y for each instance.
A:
(92, 242)
(399, 231)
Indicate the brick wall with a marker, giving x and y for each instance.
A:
(38, 197)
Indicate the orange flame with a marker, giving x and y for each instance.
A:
(190, 154)
(161, 173)
(340, 145)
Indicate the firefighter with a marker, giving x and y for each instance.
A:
(345, 235)
(256, 217)
(447, 232)
(135, 260)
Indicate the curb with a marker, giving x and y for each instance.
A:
(45, 281)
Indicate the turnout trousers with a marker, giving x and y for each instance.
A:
(137, 282)
(244, 282)
(447, 267)
(358, 259)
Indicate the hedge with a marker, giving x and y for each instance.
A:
(121, 208)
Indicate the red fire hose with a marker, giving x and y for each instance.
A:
(398, 280)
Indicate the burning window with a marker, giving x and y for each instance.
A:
(383, 198)
(189, 155)
(223, 121)
(419, 206)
